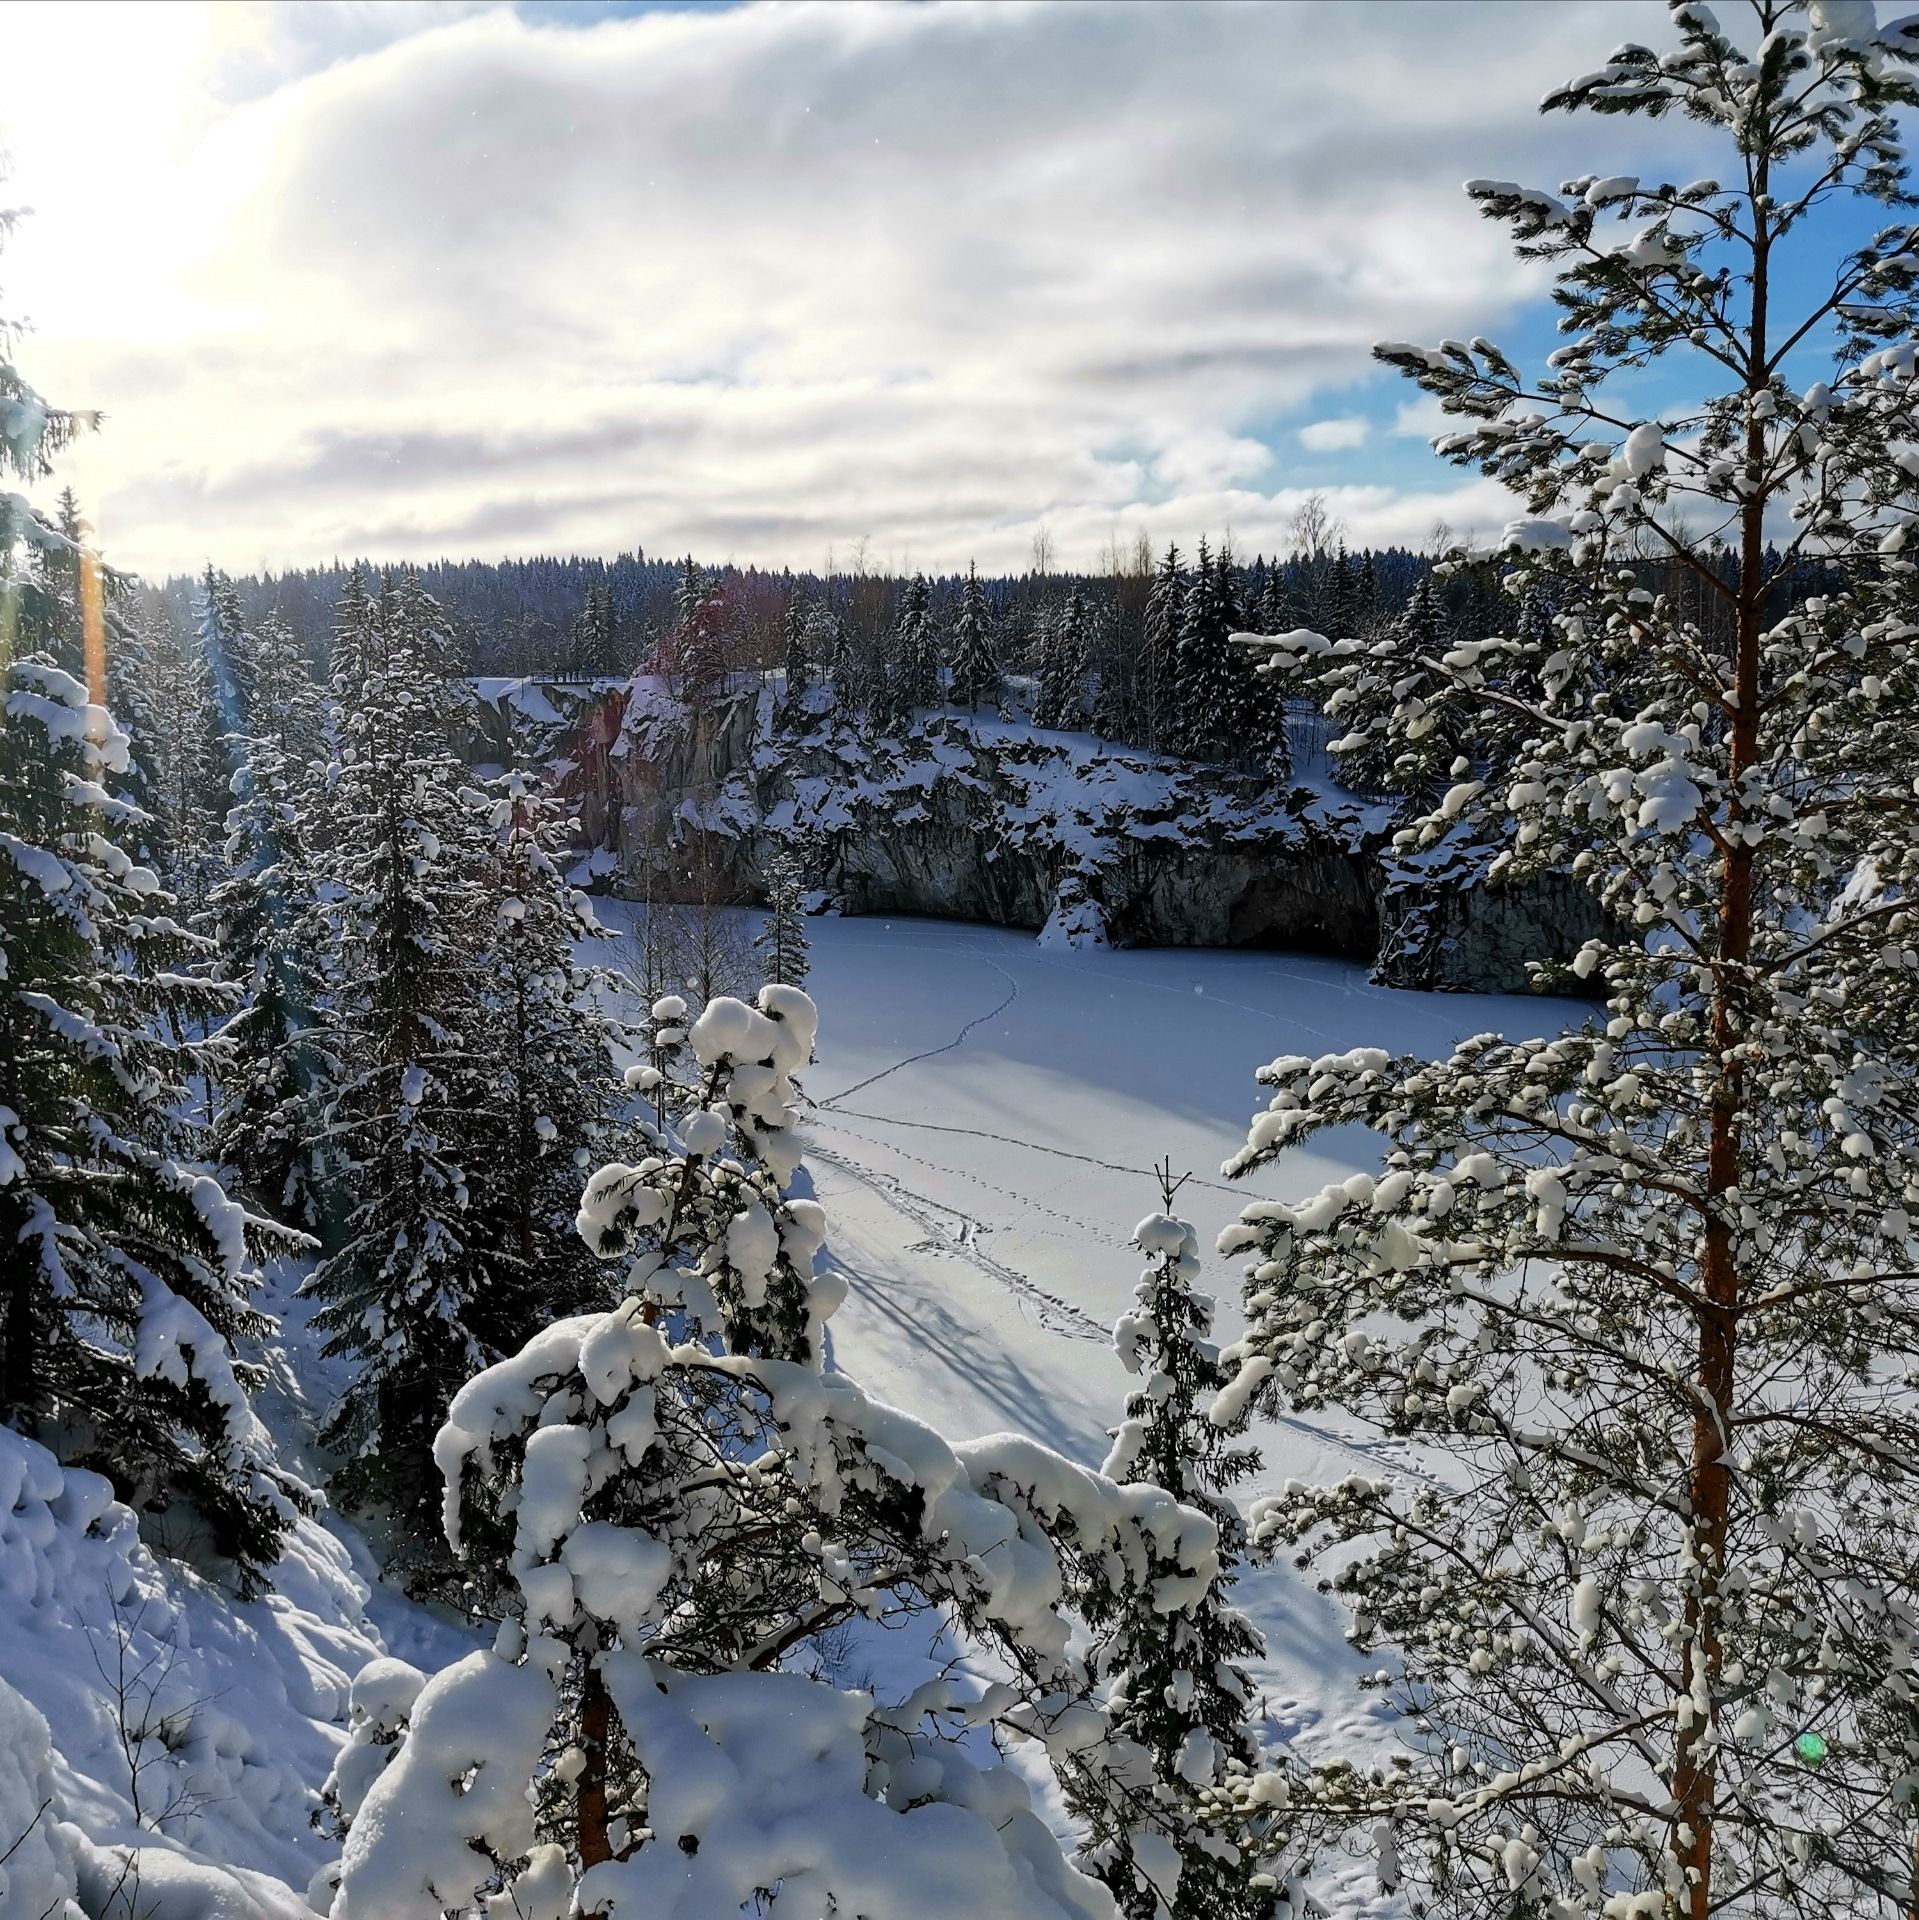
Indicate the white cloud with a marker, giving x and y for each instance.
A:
(1421, 419)
(413, 281)
(1334, 436)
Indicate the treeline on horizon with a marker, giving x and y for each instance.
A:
(1135, 650)
(585, 616)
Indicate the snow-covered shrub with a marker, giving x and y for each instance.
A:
(36, 1857)
(711, 1236)
(379, 1707)
(1651, 1284)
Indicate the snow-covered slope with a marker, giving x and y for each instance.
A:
(189, 1731)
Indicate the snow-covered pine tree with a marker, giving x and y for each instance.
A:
(125, 1270)
(781, 941)
(1650, 1284)
(709, 1231)
(1372, 756)
(415, 1293)
(666, 1527)
(1179, 1688)
(975, 673)
(1159, 648)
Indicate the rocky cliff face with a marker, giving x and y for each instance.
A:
(982, 819)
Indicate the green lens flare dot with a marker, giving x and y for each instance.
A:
(1811, 1748)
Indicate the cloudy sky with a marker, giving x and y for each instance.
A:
(763, 282)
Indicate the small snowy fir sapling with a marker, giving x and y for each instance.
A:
(1179, 1836)
(781, 941)
(1650, 1284)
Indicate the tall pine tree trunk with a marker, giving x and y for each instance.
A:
(1694, 1774)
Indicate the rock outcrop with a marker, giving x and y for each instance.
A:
(976, 818)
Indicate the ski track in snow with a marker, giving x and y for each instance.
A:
(1048, 1309)
(1029, 1146)
(933, 1053)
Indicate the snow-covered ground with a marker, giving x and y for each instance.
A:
(187, 1726)
(988, 1112)
(986, 1115)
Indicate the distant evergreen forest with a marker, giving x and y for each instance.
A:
(1102, 649)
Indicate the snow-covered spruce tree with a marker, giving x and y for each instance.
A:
(919, 659)
(698, 652)
(975, 673)
(1159, 649)
(1651, 1283)
(542, 1028)
(793, 631)
(1211, 679)
(1177, 1687)
(1063, 665)
(781, 941)
(1043, 708)
(265, 911)
(595, 646)
(416, 1292)
(125, 1270)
